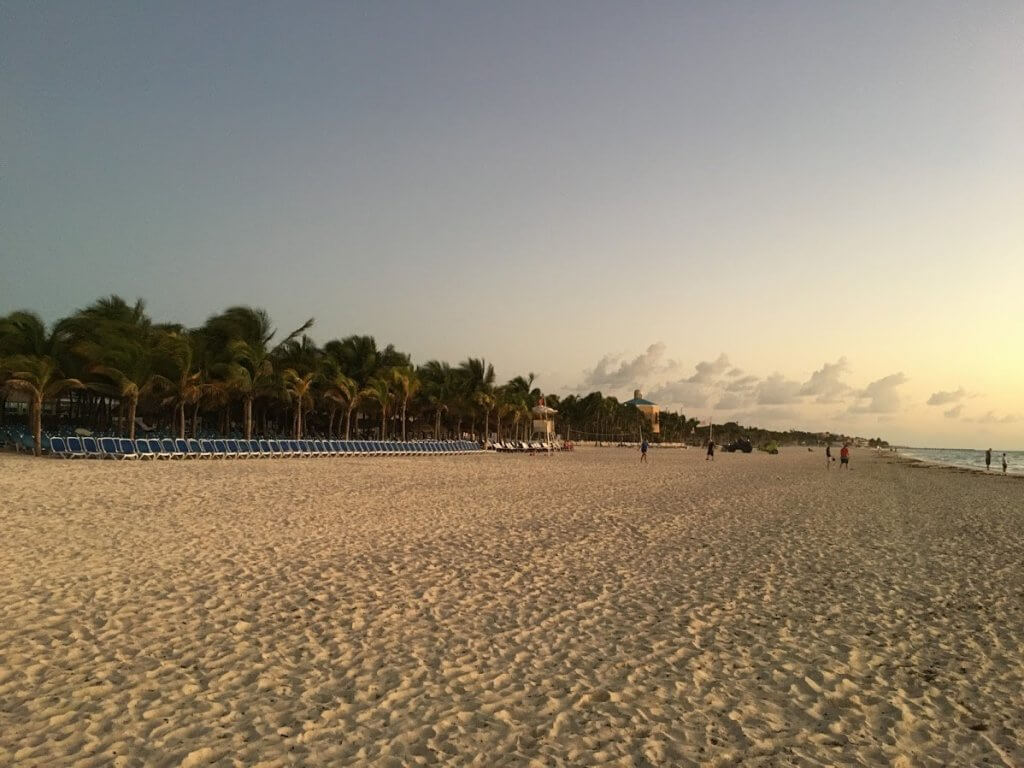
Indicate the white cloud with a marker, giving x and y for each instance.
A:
(730, 401)
(954, 412)
(945, 398)
(881, 396)
(777, 390)
(709, 371)
(682, 393)
(825, 384)
(744, 384)
(992, 418)
(629, 373)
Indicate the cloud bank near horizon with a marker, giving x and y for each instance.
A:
(828, 395)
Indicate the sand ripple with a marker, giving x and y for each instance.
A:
(504, 610)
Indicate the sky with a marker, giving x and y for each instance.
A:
(794, 214)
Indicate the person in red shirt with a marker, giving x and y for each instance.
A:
(844, 457)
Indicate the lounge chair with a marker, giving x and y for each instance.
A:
(203, 449)
(110, 448)
(168, 450)
(265, 450)
(57, 448)
(143, 449)
(75, 448)
(321, 448)
(128, 449)
(237, 449)
(277, 451)
(92, 449)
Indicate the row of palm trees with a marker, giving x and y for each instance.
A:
(109, 365)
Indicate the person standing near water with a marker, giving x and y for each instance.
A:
(643, 451)
(828, 455)
(711, 451)
(1004, 463)
(844, 457)
(988, 459)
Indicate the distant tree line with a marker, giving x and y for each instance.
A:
(109, 365)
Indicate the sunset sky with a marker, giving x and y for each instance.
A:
(795, 214)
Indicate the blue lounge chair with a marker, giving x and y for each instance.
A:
(220, 449)
(143, 449)
(204, 448)
(237, 449)
(92, 448)
(75, 448)
(57, 447)
(274, 449)
(128, 449)
(168, 450)
(110, 448)
(251, 448)
(265, 449)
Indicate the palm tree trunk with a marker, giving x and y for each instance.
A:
(330, 420)
(133, 404)
(403, 420)
(37, 426)
(487, 425)
(247, 408)
(348, 423)
(180, 414)
(383, 421)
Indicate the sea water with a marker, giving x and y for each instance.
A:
(965, 457)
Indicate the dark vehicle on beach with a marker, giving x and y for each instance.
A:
(741, 444)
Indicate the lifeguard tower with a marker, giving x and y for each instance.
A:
(648, 409)
(543, 421)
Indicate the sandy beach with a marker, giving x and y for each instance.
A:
(510, 610)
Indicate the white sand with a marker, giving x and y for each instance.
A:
(503, 610)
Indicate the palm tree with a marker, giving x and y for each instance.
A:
(440, 385)
(342, 390)
(182, 384)
(300, 390)
(406, 384)
(486, 401)
(239, 339)
(39, 377)
(477, 377)
(378, 389)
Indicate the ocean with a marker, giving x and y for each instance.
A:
(965, 457)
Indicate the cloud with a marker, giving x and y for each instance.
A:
(992, 418)
(709, 371)
(628, 373)
(695, 391)
(732, 373)
(682, 393)
(825, 385)
(744, 384)
(879, 396)
(952, 413)
(777, 390)
(945, 398)
(730, 401)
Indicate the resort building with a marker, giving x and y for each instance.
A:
(647, 408)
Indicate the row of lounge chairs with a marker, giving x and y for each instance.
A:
(170, 448)
(521, 446)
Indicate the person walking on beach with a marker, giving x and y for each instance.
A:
(1004, 463)
(711, 451)
(643, 452)
(828, 455)
(844, 456)
(988, 459)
